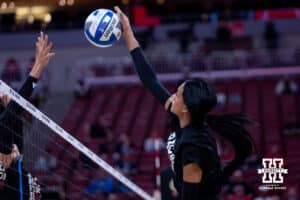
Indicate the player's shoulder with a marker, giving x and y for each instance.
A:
(196, 137)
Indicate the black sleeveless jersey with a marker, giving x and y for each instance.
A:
(196, 145)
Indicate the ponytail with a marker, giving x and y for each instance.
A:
(231, 127)
(200, 98)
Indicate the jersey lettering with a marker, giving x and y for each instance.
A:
(170, 148)
(34, 188)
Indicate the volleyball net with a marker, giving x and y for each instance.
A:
(56, 168)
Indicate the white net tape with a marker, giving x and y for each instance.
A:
(69, 138)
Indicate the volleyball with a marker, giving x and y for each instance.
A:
(102, 28)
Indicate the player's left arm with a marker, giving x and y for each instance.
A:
(192, 176)
(43, 55)
(7, 119)
(192, 173)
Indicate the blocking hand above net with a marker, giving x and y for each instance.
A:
(10, 122)
(43, 55)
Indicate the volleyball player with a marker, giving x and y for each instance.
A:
(18, 183)
(191, 147)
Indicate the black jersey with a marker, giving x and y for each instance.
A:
(185, 145)
(30, 189)
(11, 132)
(196, 145)
(10, 121)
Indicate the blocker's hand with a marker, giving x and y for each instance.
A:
(43, 55)
(4, 99)
(15, 153)
(7, 159)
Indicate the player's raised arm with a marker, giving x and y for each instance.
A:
(10, 124)
(142, 66)
(43, 55)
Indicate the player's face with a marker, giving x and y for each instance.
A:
(178, 105)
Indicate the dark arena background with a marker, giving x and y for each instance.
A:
(248, 49)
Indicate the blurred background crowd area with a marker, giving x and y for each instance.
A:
(191, 34)
(22, 15)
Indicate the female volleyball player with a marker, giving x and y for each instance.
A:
(192, 148)
(18, 184)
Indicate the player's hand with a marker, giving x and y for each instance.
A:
(4, 99)
(43, 55)
(156, 195)
(124, 20)
(7, 159)
(127, 30)
(15, 153)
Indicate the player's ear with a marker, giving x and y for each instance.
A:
(185, 109)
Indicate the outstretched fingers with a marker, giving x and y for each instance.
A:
(117, 9)
(119, 12)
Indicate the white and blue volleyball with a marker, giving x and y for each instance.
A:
(102, 28)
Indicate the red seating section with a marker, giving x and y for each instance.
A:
(133, 111)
